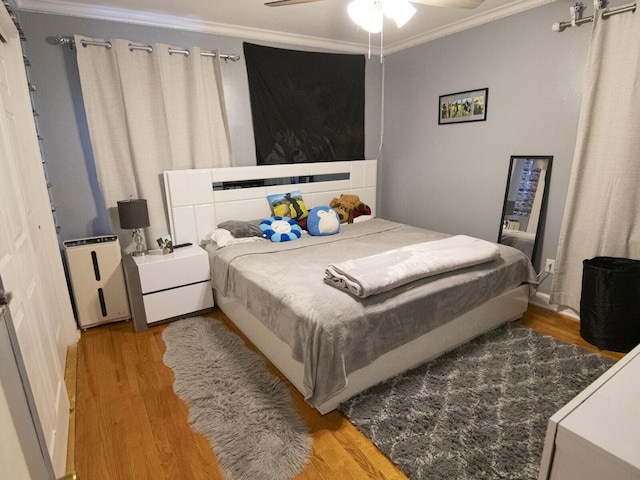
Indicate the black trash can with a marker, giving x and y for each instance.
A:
(610, 303)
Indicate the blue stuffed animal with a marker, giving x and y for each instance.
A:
(280, 229)
(323, 221)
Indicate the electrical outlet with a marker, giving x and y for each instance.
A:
(549, 265)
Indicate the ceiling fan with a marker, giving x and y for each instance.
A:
(434, 3)
(369, 14)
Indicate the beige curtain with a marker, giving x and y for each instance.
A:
(150, 111)
(603, 202)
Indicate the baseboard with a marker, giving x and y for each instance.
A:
(542, 300)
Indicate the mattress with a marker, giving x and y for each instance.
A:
(333, 333)
(523, 241)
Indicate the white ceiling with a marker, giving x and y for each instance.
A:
(323, 24)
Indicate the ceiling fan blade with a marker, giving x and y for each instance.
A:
(449, 3)
(282, 3)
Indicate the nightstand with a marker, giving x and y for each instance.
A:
(163, 287)
(595, 435)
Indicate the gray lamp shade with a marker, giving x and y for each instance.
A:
(133, 214)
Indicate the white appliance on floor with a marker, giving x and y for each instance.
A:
(97, 280)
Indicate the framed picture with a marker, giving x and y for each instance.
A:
(470, 106)
(165, 243)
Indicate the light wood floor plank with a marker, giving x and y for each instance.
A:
(130, 425)
(70, 379)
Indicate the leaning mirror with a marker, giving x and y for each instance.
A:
(524, 203)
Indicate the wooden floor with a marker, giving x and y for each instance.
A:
(130, 425)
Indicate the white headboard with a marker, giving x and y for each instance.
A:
(195, 208)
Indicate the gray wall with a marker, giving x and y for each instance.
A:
(62, 124)
(452, 178)
(449, 178)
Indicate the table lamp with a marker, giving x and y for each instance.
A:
(134, 215)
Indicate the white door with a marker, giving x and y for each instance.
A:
(22, 448)
(30, 262)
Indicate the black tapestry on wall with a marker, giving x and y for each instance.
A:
(305, 106)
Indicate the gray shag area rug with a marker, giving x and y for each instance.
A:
(246, 412)
(478, 412)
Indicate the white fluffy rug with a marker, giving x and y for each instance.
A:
(246, 413)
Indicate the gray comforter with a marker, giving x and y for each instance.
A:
(334, 333)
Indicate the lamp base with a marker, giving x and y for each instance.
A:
(140, 251)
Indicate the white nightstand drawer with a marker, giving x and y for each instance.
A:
(178, 301)
(184, 266)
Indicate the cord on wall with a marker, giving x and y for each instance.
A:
(542, 276)
(381, 165)
(381, 114)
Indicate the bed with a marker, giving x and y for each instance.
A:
(523, 241)
(329, 343)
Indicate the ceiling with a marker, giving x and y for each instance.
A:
(324, 24)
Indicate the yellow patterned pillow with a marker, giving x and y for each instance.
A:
(288, 205)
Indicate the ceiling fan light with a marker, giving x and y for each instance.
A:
(366, 14)
(399, 11)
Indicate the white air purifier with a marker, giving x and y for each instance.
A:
(97, 280)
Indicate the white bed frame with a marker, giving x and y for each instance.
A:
(195, 209)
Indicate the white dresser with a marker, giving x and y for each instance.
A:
(596, 436)
(168, 286)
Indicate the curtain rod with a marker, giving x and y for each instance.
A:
(67, 40)
(560, 26)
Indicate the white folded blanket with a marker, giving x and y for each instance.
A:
(385, 271)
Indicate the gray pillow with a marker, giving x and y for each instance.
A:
(241, 229)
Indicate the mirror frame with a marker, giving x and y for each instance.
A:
(542, 215)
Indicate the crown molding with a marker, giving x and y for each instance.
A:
(469, 22)
(124, 15)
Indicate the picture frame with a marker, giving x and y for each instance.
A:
(165, 243)
(462, 107)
